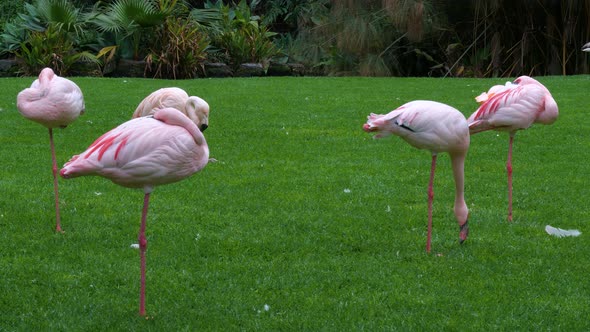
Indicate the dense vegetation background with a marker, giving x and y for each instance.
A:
(474, 38)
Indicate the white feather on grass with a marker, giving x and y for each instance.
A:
(561, 232)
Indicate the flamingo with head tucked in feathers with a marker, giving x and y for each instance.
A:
(511, 109)
(52, 101)
(143, 153)
(194, 107)
(438, 128)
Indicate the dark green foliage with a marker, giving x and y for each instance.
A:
(49, 48)
(354, 37)
(179, 49)
(238, 33)
(48, 33)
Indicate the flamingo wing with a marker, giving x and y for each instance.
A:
(509, 110)
(51, 100)
(143, 152)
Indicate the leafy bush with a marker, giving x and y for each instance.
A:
(47, 33)
(128, 24)
(9, 10)
(179, 49)
(238, 33)
(50, 48)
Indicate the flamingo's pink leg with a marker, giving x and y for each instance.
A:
(430, 200)
(509, 171)
(54, 171)
(142, 248)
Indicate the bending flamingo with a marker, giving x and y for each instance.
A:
(143, 153)
(438, 128)
(194, 107)
(52, 101)
(512, 109)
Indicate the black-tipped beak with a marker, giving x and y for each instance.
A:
(203, 127)
(463, 232)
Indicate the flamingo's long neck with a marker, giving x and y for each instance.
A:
(461, 210)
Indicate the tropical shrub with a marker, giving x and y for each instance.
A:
(178, 49)
(49, 48)
(129, 24)
(8, 11)
(47, 33)
(237, 33)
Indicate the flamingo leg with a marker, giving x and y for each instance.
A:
(430, 200)
(142, 248)
(509, 171)
(54, 171)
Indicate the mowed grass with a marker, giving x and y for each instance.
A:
(305, 223)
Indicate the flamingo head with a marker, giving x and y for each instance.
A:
(371, 124)
(463, 231)
(522, 80)
(377, 123)
(198, 110)
(46, 75)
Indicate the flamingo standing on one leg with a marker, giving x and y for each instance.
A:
(143, 153)
(52, 101)
(525, 102)
(438, 128)
(194, 107)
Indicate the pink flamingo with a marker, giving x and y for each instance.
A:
(52, 101)
(143, 153)
(438, 128)
(512, 109)
(194, 107)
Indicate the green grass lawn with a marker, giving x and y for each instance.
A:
(305, 223)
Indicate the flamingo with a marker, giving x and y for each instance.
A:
(438, 128)
(512, 109)
(194, 107)
(52, 101)
(143, 153)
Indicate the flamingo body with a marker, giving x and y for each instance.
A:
(438, 128)
(51, 101)
(194, 107)
(143, 153)
(514, 108)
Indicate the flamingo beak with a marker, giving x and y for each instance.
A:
(368, 128)
(463, 232)
(63, 173)
(203, 127)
